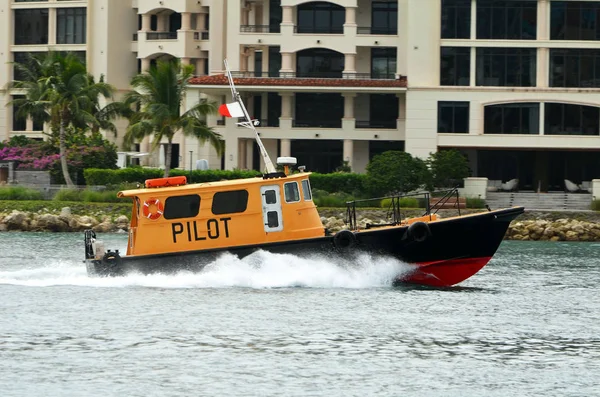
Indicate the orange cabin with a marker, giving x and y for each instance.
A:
(213, 215)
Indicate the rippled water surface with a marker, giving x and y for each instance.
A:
(278, 325)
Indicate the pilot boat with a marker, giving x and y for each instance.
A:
(178, 226)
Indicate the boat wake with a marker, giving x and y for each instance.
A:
(259, 270)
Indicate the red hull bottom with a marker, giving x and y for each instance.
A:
(445, 273)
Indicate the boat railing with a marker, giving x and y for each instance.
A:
(394, 213)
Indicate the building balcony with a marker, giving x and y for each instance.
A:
(376, 124)
(376, 31)
(181, 44)
(316, 75)
(260, 29)
(161, 36)
(201, 35)
(314, 30)
(314, 123)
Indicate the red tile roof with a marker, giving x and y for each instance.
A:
(220, 79)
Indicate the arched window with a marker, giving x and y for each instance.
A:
(319, 62)
(512, 118)
(321, 17)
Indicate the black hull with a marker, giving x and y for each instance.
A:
(461, 238)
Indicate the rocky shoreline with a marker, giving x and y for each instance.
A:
(531, 226)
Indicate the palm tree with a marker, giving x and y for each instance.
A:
(59, 90)
(159, 95)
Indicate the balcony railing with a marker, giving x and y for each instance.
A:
(315, 30)
(376, 30)
(161, 36)
(313, 123)
(201, 35)
(313, 75)
(260, 29)
(389, 124)
(263, 122)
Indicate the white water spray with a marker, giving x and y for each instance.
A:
(259, 270)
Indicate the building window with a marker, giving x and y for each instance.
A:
(384, 17)
(18, 123)
(182, 206)
(455, 66)
(321, 17)
(325, 160)
(507, 19)
(275, 16)
(71, 25)
(383, 63)
(231, 202)
(319, 110)
(319, 62)
(575, 20)
(574, 68)
(512, 118)
(307, 193)
(292, 192)
(506, 67)
(31, 26)
(566, 119)
(456, 19)
(383, 111)
(453, 117)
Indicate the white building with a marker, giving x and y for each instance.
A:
(511, 83)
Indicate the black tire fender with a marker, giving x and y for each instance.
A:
(344, 239)
(111, 262)
(419, 231)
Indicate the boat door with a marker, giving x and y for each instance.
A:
(271, 206)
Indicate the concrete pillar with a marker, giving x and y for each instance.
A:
(350, 63)
(52, 26)
(401, 106)
(286, 15)
(286, 105)
(161, 23)
(145, 64)
(286, 148)
(349, 105)
(11, 172)
(286, 62)
(231, 152)
(201, 22)
(350, 16)
(348, 152)
(146, 22)
(200, 66)
(186, 21)
(29, 124)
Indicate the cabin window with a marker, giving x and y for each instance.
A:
(182, 206)
(272, 219)
(270, 197)
(292, 192)
(230, 202)
(306, 190)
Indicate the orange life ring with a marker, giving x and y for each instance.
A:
(153, 215)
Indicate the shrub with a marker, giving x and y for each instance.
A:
(448, 168)
(68, 195)
(106, 196)
(596, 205)
(475, 203)
(131, 175)
(394, 172)
(338, 182)
(19, 193)
(406, 202)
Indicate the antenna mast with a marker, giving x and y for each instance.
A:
(249, 123)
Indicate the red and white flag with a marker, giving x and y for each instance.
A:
(231, 110)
